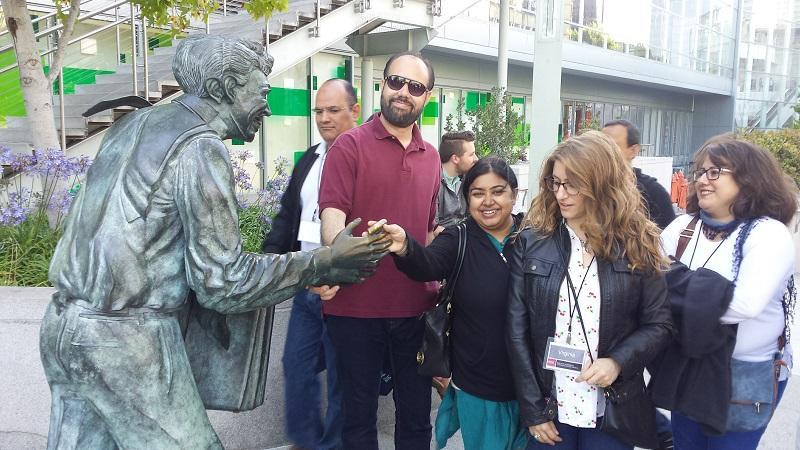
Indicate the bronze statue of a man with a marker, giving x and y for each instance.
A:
(157, 217)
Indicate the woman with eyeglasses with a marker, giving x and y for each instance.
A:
(587, 300)
(738, 206)
(480, 398)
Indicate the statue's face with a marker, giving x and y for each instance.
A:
(250, 105)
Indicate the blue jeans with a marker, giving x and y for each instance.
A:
(574, 438)
(688, 434)
(361, 348)
(309, 351)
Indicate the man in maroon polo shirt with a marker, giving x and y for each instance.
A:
(384, 169)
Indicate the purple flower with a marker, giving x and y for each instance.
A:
(61, 201)
(17, 209)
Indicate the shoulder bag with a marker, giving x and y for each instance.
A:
(433, 358)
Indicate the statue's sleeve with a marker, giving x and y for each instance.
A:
(224, 277)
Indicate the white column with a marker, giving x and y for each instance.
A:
(546, 111)
(367, 91)
(502, 47)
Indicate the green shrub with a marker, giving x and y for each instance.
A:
(499, 129)
(784, 144)
(25, 252)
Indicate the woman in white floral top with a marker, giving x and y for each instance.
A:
(586, 283)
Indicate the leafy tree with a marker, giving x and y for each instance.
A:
(499, 129)
(36, 85)
(784, 144)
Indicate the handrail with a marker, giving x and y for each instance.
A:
(73, 40)
(58, 27)
(44, 17)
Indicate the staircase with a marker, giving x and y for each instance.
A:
(293, 36)
(778, 113)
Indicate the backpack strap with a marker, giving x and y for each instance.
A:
(685, 237)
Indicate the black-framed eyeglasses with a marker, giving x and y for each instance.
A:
(415, 88)
(554, 186)
(712, 173)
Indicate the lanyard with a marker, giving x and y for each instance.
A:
(315, 215)
(577, 308)
(712, 253)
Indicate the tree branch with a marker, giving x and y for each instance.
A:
(63, 40)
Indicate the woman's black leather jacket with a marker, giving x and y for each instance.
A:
(635, 319)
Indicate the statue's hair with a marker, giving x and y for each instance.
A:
(200, 58)
(615, 224)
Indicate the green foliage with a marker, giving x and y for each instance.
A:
(460, 124)
(252, 227)
(495, 126)
(784, 144)
(499, 129)
(25, 252)
(176, 13)
(593, 124)
(264, 8)
(594, 34)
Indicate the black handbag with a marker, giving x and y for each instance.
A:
(630, 415)
(433, 358)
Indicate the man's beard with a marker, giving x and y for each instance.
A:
(398, 118)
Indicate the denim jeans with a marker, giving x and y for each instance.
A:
(361, 347)
(309, 351)
(574, 438)
(688, 434)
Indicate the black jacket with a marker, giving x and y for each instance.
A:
(480, 357)
(282, 237)
(656, 199)
(635, 320)
(693, 375)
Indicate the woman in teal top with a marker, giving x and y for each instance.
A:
(480, 400)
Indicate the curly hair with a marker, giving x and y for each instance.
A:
(616, 224)
(200, 58)
(764, 189)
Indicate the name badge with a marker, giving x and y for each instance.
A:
(309, 232)
(564, 357)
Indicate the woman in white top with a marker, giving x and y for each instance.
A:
(743, 201)
(586, 276)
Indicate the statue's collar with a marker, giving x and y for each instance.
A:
(199, 106)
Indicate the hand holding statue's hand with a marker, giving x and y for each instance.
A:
(325, 291)
(353, 259)
(397, 235)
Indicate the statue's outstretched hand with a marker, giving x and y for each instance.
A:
(353, 259)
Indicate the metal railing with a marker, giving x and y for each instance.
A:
(111, 14)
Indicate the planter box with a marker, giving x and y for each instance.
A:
(25, 409)
(25, 405)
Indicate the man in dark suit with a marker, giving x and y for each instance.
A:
(308, 348)
(656, 199)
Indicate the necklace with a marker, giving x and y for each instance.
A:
(584, 244)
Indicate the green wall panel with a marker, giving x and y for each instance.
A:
(10, 89)
(475, 99)
(74, 76)
(430, 112)
(289, 102)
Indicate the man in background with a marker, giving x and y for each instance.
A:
(457, 153)
(656, 199)
(308, 349)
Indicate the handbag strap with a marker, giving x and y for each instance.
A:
(685, 236)
(450, 281)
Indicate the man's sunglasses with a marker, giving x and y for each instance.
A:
(415, 88)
